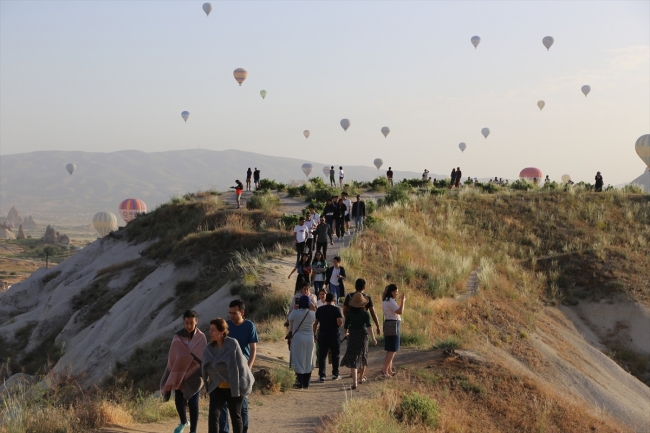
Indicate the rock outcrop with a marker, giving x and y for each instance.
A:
(50, 235)
(63, 239)
(643, 181)
(6, 233)
(14, 216)
(29, 223)
(21, 233)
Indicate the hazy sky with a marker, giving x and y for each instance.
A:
(107, 76)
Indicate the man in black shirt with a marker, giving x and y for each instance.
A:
(389, 175)
(360, 286)
(328, 321)
(256, 178)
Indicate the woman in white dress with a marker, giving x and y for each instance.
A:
(301, 322)
(392, 321)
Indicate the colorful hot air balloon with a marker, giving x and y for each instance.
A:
(530, 173)
(475, 41)
(130, 208)
(185, 115)
(586, 89)
(326, 171)
(378, 163)
(642, 147)
(263, 93)
(548, 41)
(541, 105)
(566, 178)
(240, 75)
(70, 167)
(345, 124)
(462, 147)
(104, 223)
(306, 133)
(207, 8)
(385, 130)
(485, 132)
(307, 168)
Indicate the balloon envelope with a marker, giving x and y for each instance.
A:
(207, 8)
(306, 133)
(240, 75)
(462, 147)
(541, 104)
(586, 89)
(566, 178)
(530, 173)
(263, 93)
(185, 115)
(70, 167)
(326, 171)
(130, 208)
(104, 223)
(548, 41)
(475, 41)
(307, 168)
(642, 148)
(345, 124)
(378, 163)
(485, 132)
(385, 130)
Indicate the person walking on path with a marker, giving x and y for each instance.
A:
(310, 242)
(303, 267)
(183, 372)
(239, 188)
(348, 207)
(249, 175)
(360, 287)
(227, 375)
(304, 291)
(599, 182)
(332, 177)
(256, 178)
(322, 233)
(313, 215)
(326, 333)
(459, 175)
(392, 329)
(301, 322)
(300, 232)
(359, 213)
(244, 331)
(328, 213)
(339, 219)
(357, 324)
(389, 176)
(453, 178)
(341, 177)
(319, 268)
(334, 279)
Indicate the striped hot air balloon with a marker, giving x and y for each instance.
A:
(104, 223)
(130, 208)
(530, 173)
(240, 75)
(642, 147)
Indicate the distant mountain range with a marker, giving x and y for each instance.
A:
(37, 183)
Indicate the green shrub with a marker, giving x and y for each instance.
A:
(442, 183)
(449, 343)
(289, 221)
(551, 185)
(293, 191)
(398, 194)
(282, 379)
(415, 182)
(272, 185)
(264, 200)
(416, 409)
(371, 207)
(488, 187)
(632, 189)
(380, 183)
(521, 185)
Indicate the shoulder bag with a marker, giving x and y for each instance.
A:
(289, 335)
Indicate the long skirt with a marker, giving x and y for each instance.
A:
(302, 352)
(356, 355)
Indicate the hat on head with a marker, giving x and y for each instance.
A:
(304, 301)
(358, 300)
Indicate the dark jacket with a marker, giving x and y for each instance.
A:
(322, 232)
(453, 175)
(359, 209)
(329, 211)
(328, 276)
(339, 213)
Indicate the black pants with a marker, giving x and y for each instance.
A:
(218, 398)
(325, 344)
(340, 227)
(181, 408)
(300, 248)
(323, 246)
(303, 380)
(310, 247)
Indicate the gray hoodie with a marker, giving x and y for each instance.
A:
(227, 364)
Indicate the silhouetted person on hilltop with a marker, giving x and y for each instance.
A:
(458, 176)
(256, 177)
(599, 182)
(249, 175)
(332, 174)
(452, 182)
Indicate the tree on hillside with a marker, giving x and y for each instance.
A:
(48, 251)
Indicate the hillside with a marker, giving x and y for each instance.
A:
(38, 184)
(552, 338)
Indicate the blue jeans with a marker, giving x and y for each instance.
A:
(223, 418)
(317, 286)
(358, 222)
(335, 289)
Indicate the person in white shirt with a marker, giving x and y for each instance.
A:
(301, 232)
(392, 319)
(341, 176)
(348, 207)
(311, 225)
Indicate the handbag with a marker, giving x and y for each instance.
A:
(390, 328)
(289, 335)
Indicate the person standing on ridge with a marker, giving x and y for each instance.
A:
(326, 334)
(239, 188)
(249, 174)
(453, 178)
(599, 182)
(358, 213)
(458, 177)
(244, 331)
(256, 178)
(332, 179)
(300, 232)
(389, 175)
(341, 177)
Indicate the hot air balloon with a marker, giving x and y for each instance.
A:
(548, 42)
(130, 208)
(530, 173)
(307, 168)
(541, 104)
(385, 130)
(485, 132)
(642, 147)
(326, 171)
(240, 75)
(475, 41)
(566, 178)
(306, 133)
(263, 93)
(462, 147)
(104, 223)
(345, 124)
(70, 167)
(378, 163)
(586, 89)
(185, 115)
(207, 8)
